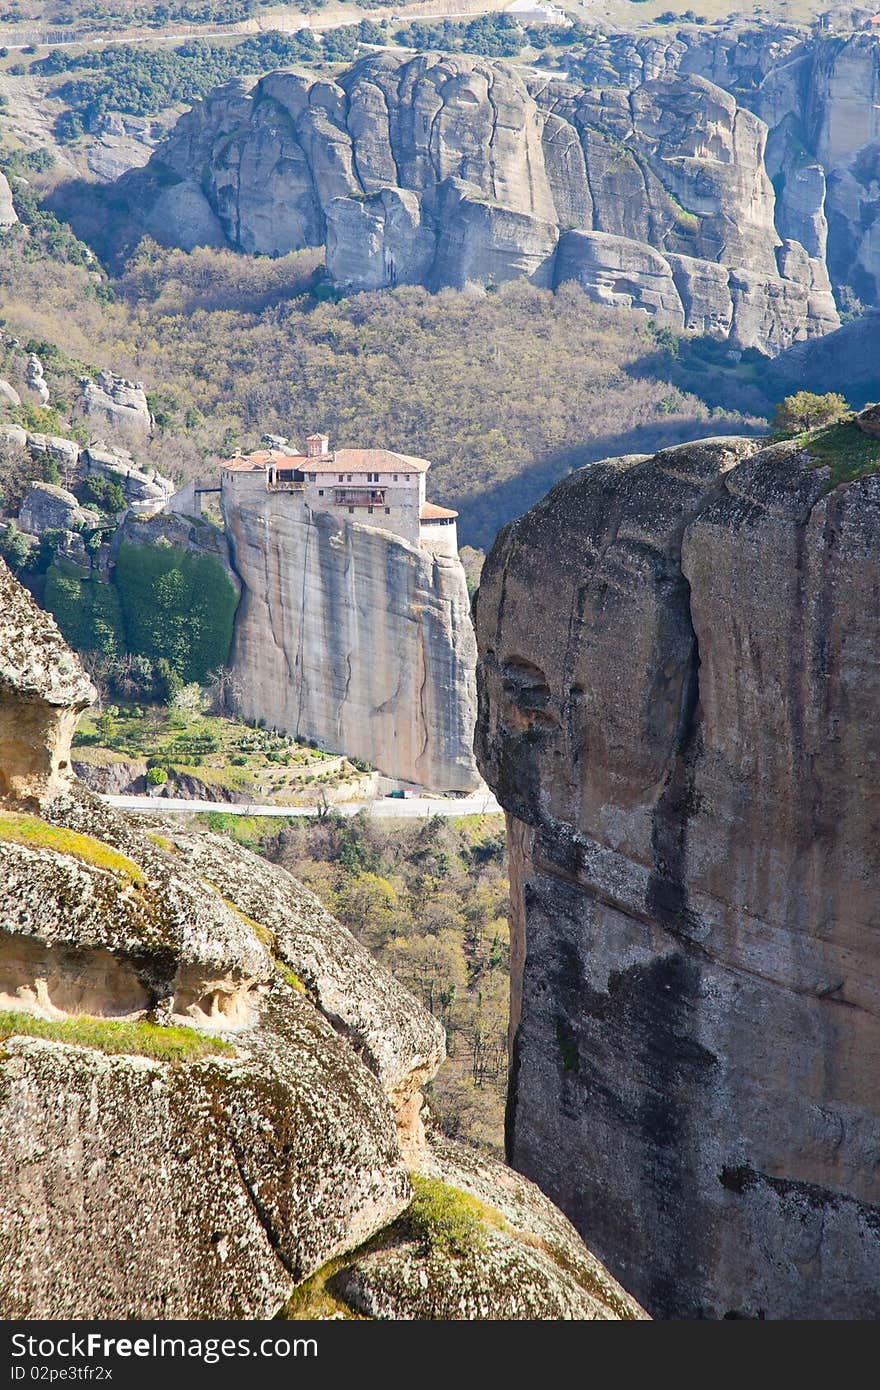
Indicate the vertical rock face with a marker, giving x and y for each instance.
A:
(353, 637)
(682, 725)
(43, 691)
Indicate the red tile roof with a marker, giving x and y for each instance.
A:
(337, 461)
(431, 512)
(252, 463)
(365, 461)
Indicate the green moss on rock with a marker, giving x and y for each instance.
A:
(34, 833)
(138, 1039)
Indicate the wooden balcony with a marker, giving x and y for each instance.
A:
(359, 497)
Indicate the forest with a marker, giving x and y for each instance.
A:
(428, 899)
(504, 392)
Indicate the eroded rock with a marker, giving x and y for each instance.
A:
(682, 728)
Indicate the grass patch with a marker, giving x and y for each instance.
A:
(845, 449)
(38, 834)
(289, 976)
(162, 843)
(317, 1298)
(137, 1039)
(441, 1218)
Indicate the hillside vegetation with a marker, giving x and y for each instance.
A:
(504, 392)
(429, 899)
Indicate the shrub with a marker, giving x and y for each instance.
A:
(15, 549)
(103, 493)
(156, 777)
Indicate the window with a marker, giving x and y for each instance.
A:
(406, 476)
(348, 477)
(342, 477)
(395, 477)
(387, 511)
(351, 511)
(311, 477)
(320, 492)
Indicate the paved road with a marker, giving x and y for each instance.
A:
(483, 803)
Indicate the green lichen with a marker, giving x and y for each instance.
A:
(261, 932)
(139, 1039)
(842, 447)
(34, 833)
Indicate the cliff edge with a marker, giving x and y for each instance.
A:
(682, 726)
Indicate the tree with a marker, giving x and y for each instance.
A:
(15, 548)
(807, 411)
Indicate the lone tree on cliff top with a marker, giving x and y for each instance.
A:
(807, 411)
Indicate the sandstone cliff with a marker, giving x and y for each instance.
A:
(451, 170)
(682, 725)
(353, 637)
(817, 92)
(208, 1088)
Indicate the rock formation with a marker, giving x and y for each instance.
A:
(209, 1089)
(847, 361)
(46, 507)
(35, 380)
(817, 92)
(681, 722)
(8, 215)
(452, 171)
(43, 691)
(117, 402)
(353, 637)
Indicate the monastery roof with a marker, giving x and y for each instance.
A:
(252, 463)
(337, 461)
(364, 461)
(431, 512)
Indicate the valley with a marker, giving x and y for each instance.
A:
(439, 500)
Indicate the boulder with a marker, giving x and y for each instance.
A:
(48, 508)
(9, 394)
(34, 378)
(14, 436)
(64, 452)
(868, 421)
(138, 484)
(43, 691)
(189, 1128)
(117, 402)
(8, 215)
